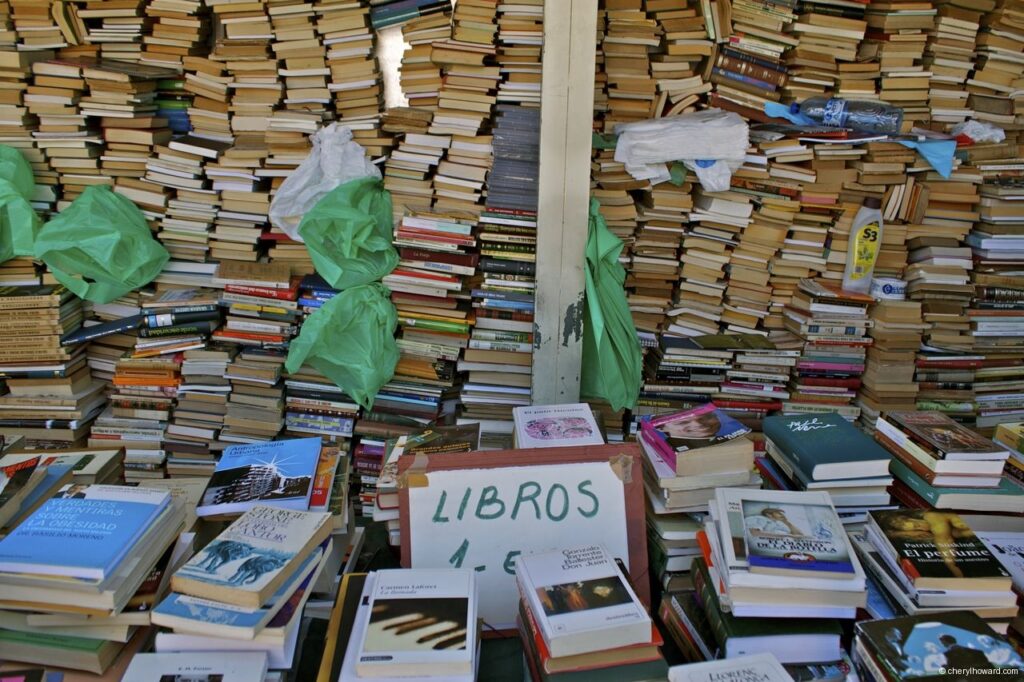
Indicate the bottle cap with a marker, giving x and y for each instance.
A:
(872, 202)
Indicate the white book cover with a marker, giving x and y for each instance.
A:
(578, 593)
(421, 621)
(756, 668)
(556, 426)
(197, 667)
(1008, 548)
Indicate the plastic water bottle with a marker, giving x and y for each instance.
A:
(861, 115)
(865, 243)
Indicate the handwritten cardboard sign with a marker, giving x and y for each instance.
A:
(480, 510)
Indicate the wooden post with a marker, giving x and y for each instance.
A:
(567, 104)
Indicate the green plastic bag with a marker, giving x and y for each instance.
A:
(100, 247)
(348, 234)
(351, 340)
(612, 358)
(19, 223)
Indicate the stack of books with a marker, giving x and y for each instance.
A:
(926, 562)
(1011, 436)
(938, 461)
(687, 455)
(354, 72)
(781, 554)
(520, 40)
(827, 453)
(49, 568)
(888, 380)
(443, 637)
(924, 646)
(833, 324)
(419, 76)
(246, 590)
(179, 30)
(578, 615)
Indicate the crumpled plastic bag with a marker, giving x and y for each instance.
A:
(351, 340)
(19, 222)
(334, 160)
(100, 247)
(348, 234)
(979, 131)
(712, 143)
(612, 358)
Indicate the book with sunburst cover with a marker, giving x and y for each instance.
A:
(277, 473)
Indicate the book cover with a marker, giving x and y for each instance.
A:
(924, 647)
(553, 426)
(936, 549)
(246, 563)
(581, 600)
(1008, 549)
(221, 666)
(276, 473)
(756, 668)
(82, 532)
(421, 621)
(947, 437)
(700, 427)
(17, 479)
(826, 446)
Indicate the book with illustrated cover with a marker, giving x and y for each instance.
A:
(439, 609)
(17, 480)
(581, 600)
(247, 563)
(82, 532)
(945, 437)
(923, 647)
(275, 473)
(756, 668)
(936, 550)
(554, 426)
(704, 429)
(221, 666)
(784, 533)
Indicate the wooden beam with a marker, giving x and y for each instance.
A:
(567, 109)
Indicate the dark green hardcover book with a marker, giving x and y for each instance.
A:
(826, 447)
(1011, 494)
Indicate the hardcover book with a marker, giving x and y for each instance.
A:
(247, 563)
(947, 438)
(553, 426)
(82, 532)
(438, 608)
(581, 600)
(275, 473)
(826, 447)
(756, 668)
(221, 666)
(924, 647)
(936, 550)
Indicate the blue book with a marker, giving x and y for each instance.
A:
(82, 532)
(277, 473)
(826, 447)
(203, 616)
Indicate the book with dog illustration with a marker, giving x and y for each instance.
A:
(246, 564)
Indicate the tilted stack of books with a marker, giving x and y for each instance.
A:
(578, 616)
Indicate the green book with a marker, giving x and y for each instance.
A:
(1008, 498)
(826, 447)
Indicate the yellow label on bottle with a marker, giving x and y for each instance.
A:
(866, 244)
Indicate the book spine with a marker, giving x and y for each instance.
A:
(279, 294)
(759, 86)
(186, 329)
(173, 319)
(736, 55)
(709, 600)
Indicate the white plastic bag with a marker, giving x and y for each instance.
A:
(335, 159)
(979, 131)
(712, 143)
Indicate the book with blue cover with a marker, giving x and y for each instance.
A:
(249, 561)
(276, 473)
(84, 531)
(186, 613)
(825, 447)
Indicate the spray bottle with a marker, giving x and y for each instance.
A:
(865, 243)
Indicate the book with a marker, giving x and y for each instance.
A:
(17, 480)
(947, 438)
(439, 607)
(581, 600)
(702, 427)
(547, 426)
(826, 447)
(1008, 498)
(82, 532)
(936, 550)
(276, 473)
(247, 563)
(1008, 549)
(923, 647)
(785, 533)
(222, 666)
(760, 667)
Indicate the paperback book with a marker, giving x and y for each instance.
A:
(553, 426)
